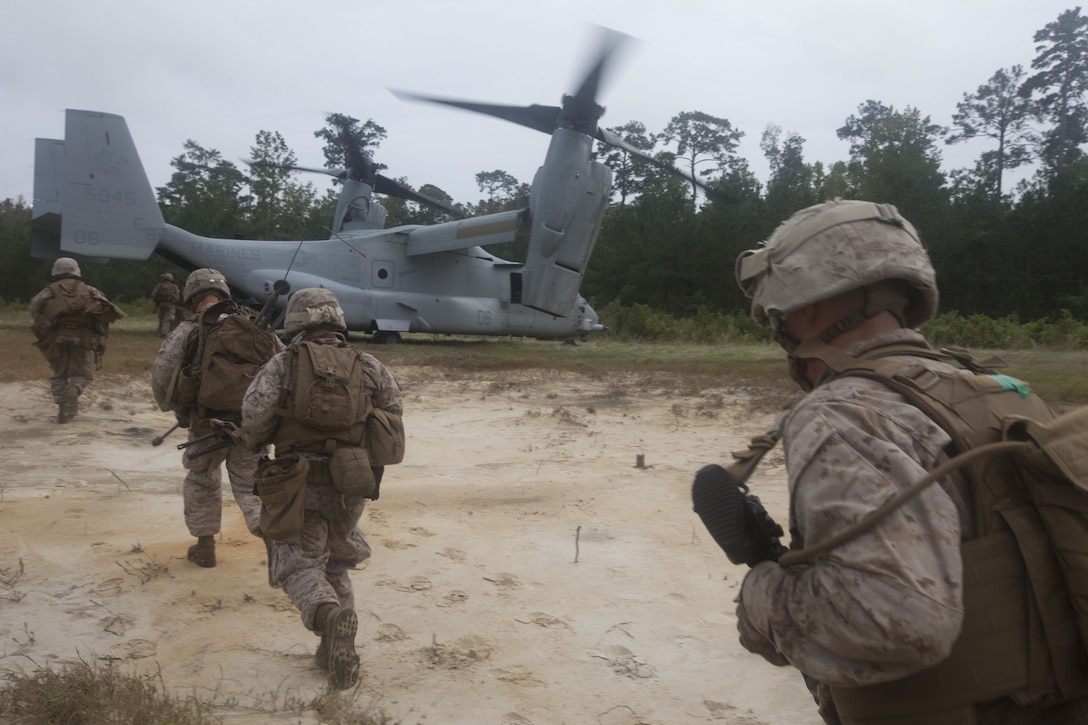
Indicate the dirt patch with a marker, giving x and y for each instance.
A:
(524, 569)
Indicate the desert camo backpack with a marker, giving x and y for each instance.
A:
(229, 350)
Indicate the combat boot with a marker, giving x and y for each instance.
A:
(202, 553)
(337, 648)
(268, 560)
(322, 654)
(321, 617)
(69, 404)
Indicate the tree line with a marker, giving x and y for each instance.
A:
(1000, 250)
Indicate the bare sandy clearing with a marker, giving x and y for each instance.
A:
(524, 570)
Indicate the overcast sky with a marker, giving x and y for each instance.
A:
(218, 72)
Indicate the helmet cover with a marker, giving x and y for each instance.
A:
(204, 280)
(832, 248)
(65, 266)
(313, 307)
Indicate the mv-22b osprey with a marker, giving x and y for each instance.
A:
(93, 200)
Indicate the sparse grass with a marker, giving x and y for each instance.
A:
(1057, 374)
(81, 693)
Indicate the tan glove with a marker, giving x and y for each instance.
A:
(753, 641)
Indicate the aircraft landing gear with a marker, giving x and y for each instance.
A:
(382, 337)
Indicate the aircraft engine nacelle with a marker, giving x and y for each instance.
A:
(568, 201)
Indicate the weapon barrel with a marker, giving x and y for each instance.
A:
(221, 436)
(193, 455)
(195, 441)
(157, 440)
(279, 287)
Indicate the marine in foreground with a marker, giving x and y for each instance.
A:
(917, 588)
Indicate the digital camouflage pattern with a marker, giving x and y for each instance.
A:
(167, 298)
(203, 281)
(889, 602)
(831, 248)
(312, 567)
(312, 307)
(69, 344)
(65, 266)
(202, 489)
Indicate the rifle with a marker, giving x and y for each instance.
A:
(222, 438)
(735, 518)
(263, 319)
(157, 440)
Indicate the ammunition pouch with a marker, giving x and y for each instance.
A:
(42, 328)
(100, 326)
(186, 386)
(351, 472)
(48, 348)
(281, 486)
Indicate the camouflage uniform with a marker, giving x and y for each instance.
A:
(313, 567)
(865, 616)
(888, 603)
(71, 342)
(203, 490)
(168, 307)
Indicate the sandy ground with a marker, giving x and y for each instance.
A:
(525, 570)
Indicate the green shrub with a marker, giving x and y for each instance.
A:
(640, 323)
(1008, 333)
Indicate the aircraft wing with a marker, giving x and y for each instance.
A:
(464, 233)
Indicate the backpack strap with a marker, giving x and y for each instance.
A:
(940, 397)
(904, 495)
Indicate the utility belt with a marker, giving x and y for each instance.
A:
(320, 473)
(341, 465)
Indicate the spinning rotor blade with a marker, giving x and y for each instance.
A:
(389, 187)
(579, 112)
(335, 173)
(606, 136)
(539, 118)
(382, 185)
(360, 165)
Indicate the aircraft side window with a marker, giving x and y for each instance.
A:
(381, 274)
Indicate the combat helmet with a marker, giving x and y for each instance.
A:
(313, 307)
(205, 280)
(65, 266)
(831, 248)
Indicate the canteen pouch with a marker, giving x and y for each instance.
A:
(281, 486)
(185, 389)
(351, 473)
(385, 438)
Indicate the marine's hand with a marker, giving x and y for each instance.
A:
(754, 641)
(736, 519)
